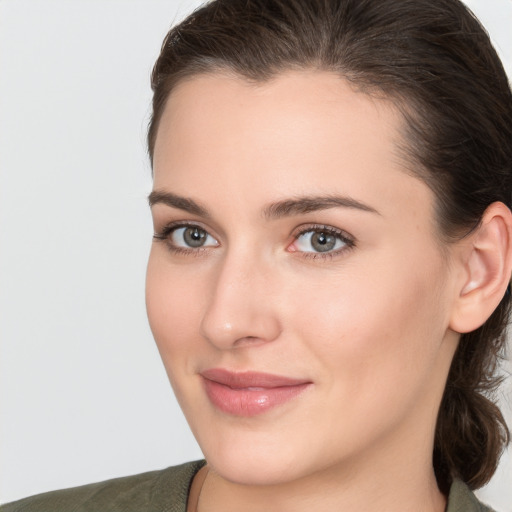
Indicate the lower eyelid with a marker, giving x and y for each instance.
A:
(321, 255)
(185, 251)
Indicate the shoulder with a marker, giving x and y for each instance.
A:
(461, 499)
(147, 492)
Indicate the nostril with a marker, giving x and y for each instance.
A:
(247, 340)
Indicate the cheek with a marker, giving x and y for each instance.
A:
(374, 329)
(173, 307)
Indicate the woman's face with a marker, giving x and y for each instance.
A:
(297, 288)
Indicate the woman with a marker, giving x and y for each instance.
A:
(329, 281)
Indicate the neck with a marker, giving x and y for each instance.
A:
(323, 493)
(397, 475)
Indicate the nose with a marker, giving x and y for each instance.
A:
(241, 309)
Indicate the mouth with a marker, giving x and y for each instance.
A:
(249, 393)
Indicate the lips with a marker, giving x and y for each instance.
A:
(249, 393)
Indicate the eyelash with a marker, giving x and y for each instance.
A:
(165, 233)
(348, 240)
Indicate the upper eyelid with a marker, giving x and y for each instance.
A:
(173, 225)
(300, 230)
(160, 224)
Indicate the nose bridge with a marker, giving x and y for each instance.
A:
(239, 308)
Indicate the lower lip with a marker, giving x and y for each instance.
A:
(250, 401)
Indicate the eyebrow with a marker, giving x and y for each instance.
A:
(277, 210)
(175, 201)
(309, 204)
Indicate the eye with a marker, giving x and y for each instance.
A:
(322, 239)
(191, 237)
(186, 237)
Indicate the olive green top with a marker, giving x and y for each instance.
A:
(164, 491)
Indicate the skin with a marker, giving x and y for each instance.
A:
(368, 325)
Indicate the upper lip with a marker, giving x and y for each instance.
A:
(248, 379)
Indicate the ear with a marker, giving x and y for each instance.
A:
(487, 266)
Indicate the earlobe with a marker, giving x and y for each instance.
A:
(487, 269)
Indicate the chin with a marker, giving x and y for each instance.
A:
(255, 457)
(263, 470)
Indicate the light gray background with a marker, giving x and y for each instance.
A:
(84, 396)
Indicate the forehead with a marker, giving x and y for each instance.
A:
(299, 108)
(301, 132)
(308, 97)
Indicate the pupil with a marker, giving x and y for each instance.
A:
(194, 237)
(323, 242)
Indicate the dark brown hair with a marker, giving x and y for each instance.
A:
(434, 60)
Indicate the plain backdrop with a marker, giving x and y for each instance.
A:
(83, 394)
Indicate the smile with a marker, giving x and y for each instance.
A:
(249, 393)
